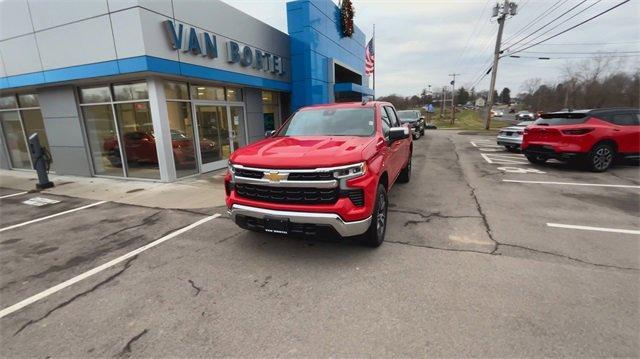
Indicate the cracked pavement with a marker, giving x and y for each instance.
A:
(469, 268)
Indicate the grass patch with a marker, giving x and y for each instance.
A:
(467, 120)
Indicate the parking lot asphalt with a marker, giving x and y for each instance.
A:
(474, 265)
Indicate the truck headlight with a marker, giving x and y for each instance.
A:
(351, 171)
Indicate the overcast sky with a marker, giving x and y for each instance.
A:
(420, 42)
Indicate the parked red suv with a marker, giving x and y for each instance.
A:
(329, 167)
(595, 137)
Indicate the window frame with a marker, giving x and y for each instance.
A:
(610, 117)
(385, 120)
(392, 113)
(112, 104)
(18, 109)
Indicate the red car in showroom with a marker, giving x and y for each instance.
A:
(593, 137)
(140, 147)
(328, 168)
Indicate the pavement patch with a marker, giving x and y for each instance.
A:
(40, 201)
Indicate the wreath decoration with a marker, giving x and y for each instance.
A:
(346, 18)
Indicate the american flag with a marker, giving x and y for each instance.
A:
(369, 58)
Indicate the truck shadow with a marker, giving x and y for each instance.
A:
(306, 250)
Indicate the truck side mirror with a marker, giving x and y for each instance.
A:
(398, 133)
(269, 133)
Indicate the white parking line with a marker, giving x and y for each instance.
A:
(599, 229)
(52, 290)
(574, 183)
(503, 159)
(485, 143)
(13, 195)
(51, 216)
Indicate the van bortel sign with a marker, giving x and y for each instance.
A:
(205, 44)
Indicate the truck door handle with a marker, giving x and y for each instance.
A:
(381, 144)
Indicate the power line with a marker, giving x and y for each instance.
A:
(558, 25)
(581, 53)
(572, 27)
(567, 57)
(475, 26)
(534, 21)
(591, 43)
(547, 24)
(477, 59)
(482, 76)
(484, 46)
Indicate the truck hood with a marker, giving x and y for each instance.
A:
(303, 152)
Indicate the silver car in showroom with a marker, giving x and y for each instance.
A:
(511, 137)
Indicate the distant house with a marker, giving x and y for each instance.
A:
(480, 102)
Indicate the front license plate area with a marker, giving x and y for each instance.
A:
(276, 225)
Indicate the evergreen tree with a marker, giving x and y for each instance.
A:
(505, 96)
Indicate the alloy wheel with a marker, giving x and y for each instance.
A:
(602, 158)
(381, 220)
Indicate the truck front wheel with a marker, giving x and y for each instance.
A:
(374, 236)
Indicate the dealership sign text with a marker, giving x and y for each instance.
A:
(205, 44)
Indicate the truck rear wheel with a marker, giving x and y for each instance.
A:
(374, 236)
(405, 173)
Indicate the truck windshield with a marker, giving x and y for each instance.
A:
(330, 122)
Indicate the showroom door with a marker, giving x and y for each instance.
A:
(220, 129)
(214, 144)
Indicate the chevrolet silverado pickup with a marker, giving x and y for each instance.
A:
(327, 168)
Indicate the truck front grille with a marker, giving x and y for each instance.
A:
(248, 173)
(311, 176)
(287, 195)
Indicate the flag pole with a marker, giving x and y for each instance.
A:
(374, 66)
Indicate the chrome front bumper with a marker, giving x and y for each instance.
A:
(345, 229)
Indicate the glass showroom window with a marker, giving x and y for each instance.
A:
(181, 126)
(20, 117)
(270, 110)
(119, 130)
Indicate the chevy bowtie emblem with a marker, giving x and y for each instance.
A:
(275, 176)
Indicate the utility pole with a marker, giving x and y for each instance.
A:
(443, 102)
(501, 12)
(453, 98)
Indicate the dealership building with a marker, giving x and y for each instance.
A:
(162, 89)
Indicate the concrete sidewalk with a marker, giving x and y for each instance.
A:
(202, 191)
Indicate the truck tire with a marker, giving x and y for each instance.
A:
(374, 236)
(600, 158)
(536, 159)
(405, 173)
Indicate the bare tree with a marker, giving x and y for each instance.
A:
(598, 82)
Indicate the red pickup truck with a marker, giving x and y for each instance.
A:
(328, 168)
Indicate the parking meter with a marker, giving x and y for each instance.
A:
(41, 161)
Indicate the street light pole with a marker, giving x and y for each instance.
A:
(453, 98)
(502, 18)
